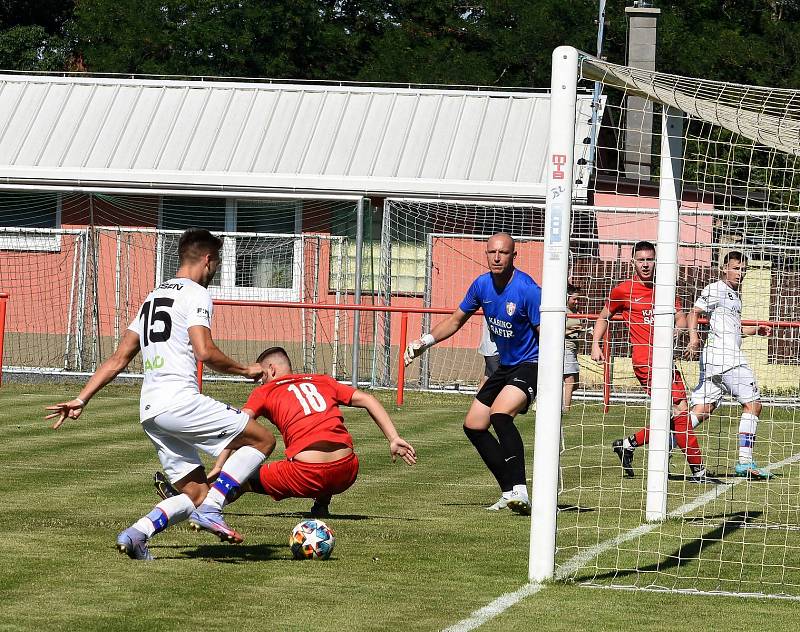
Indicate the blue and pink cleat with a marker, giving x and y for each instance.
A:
(133, 543)
(207, 518)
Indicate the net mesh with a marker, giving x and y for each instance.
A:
(739, 192)
(98, 273)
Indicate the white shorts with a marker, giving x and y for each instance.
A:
(739, 382)
(571, 366)
(200, 424)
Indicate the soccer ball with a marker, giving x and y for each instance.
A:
(312, 539)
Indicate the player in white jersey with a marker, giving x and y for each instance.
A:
(723, 366)
(173, 331)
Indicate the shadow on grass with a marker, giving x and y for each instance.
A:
(575, 508)
(231, 553)
(693, 549)
(333, 516)
(725, 476)
(687, 479)
(566, 508)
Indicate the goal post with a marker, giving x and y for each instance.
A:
(720, 175)
(669, 195)
(560, 157)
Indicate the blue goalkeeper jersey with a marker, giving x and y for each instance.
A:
(511, 315)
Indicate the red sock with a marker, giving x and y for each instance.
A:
(686, 439)
(642, 437)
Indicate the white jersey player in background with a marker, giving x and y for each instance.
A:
(723, 366)
(173, 331)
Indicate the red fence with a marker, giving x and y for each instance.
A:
(404, 311)
(3, 304)
(775, 324)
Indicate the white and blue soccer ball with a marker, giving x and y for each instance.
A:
(312, 540)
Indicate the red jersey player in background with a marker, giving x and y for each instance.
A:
(320, 461)
(634, 300)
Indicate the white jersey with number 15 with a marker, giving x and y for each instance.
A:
(162, 324)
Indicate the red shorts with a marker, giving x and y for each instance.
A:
(643, 374)
(295, 479)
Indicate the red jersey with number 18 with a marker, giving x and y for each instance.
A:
(304, 408)
(634, 299)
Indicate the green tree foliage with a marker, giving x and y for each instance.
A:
(505, 42)
(303, 39)
(742, 41)
(487, 42)
(31, 34)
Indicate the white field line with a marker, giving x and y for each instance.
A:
(504, 602)
(697, 593)
(498, 606)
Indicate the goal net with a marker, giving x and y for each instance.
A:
(96, 256)
(432, 252)
(701, 168)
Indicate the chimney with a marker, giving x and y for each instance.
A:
(642, 22)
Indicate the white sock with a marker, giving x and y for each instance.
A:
(522, 490)
(237, 469)
(695, 420)
(626, 443)
(168, 512)
(747, 437)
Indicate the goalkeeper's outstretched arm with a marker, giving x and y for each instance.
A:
(442, 331)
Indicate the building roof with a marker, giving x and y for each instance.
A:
(85, 132)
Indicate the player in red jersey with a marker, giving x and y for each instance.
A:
(634, 300)
(320, 461)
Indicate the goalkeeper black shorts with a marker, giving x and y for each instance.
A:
(522, 375)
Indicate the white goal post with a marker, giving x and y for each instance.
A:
(723, 176)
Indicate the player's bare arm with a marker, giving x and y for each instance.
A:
(106, 372)
(397, 445)
(442, 331)
(206, 351)
(757, 330)
(695, 344)
(598, 333)
(681, 323)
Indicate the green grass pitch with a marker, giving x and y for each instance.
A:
(415, 548)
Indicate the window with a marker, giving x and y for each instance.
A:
(407, 267)
(37, 211)
(262, 251)
(407, 255)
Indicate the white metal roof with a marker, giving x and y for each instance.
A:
(143, 133)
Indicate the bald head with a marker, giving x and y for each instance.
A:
(500, 254)
(504, 239)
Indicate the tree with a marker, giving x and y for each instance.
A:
(301, 39)
(31, 34)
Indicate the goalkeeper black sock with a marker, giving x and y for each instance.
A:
(512, 447)
(491, 453)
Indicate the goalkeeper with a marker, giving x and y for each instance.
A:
(723, 366)
(510, 300)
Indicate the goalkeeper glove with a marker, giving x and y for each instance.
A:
(415, 348)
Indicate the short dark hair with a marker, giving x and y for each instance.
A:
(734, 255)
(643, 245)
(196, 242)
(279, 351)
(573, 289)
